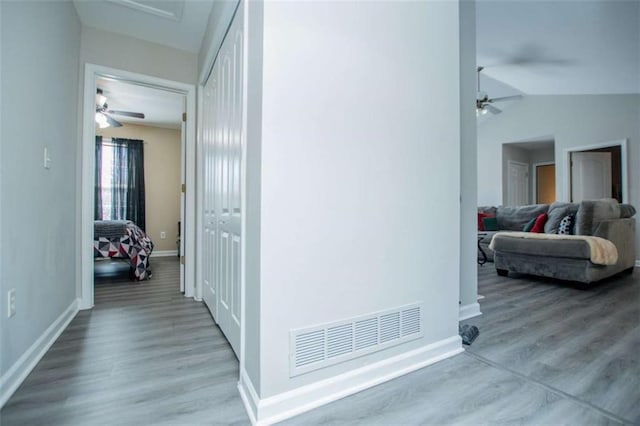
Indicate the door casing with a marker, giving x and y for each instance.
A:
(87, 160)
(566, 176)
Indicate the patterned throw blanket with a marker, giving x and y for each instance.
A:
(125, 240)
(603, 252)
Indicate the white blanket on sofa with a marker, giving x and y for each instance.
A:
(603, 252)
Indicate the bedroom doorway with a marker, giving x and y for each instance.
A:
(95, 75)
(597, 171)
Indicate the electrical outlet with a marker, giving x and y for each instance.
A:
(47, 159)
(163, 235)
(11, 303)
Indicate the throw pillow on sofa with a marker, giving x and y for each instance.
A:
(481, 217)
(538, 225)
(566, 225)
(527, 227)
(490, 223)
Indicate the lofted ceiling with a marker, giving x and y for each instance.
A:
(559, 47)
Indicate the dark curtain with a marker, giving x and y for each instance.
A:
(97, 197)
(134, 206)
(127, 183)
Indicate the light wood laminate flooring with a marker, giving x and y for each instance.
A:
(548, 353)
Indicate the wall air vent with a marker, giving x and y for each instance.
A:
(327, 344)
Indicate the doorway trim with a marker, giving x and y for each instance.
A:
(534, 168)
(566, 175)
(85, 245)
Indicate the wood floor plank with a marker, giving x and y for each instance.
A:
(548, 353)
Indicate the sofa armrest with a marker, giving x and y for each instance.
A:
(621, 232)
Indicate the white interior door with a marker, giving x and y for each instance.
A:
(590, 176)
(517, 184)
(222, 205)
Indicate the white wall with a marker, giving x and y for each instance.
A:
(40, 48)
(135, 55)
(468, 163)
(572, 121)
(360, 179)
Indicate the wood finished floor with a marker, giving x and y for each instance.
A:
(548, 353)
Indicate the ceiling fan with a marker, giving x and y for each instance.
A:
(103, 113)
(484, 102)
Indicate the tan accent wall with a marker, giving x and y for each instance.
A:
(161, 177)
(546, 184)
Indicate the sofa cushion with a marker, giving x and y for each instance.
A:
(569, 249)
(557, 211)
(627, 210)
(514, 218)
(591, 212)
(538, 225)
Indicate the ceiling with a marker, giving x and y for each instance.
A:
(161, 108)
(559, 47)
(180, 24)
(531, 47)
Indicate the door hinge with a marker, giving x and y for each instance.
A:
(184, 117)
(182, 260)
(184, 188)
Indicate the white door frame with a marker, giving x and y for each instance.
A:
(535, 178)
(91, 75)
(622, 143)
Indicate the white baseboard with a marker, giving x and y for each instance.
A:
(164, 253)
(279, 407)
(14, 376)
(469, 311)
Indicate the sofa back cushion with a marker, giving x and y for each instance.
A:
(591, 212)
(557, 211)
(514, 218)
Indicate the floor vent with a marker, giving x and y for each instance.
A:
(317, 347)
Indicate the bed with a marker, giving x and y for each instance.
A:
(123, 239)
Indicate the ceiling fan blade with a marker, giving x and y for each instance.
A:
(492, 109)
(112, 122)
(127, 113)
(505, 98)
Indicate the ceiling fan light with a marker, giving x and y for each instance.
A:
(101, 120)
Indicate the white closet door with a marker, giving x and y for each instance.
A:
(223, 147)
(209, 221)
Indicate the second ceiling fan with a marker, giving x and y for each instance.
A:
(103, 113)
(484, 102)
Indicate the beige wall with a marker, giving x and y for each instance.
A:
(161, 176)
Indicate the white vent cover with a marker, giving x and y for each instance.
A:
(316, 347)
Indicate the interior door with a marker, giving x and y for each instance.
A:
(590, 176)
(545, 183)
(517, 184)
(222, 150)
(183, 180)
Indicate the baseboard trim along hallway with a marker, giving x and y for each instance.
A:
(276, 408)
(19, 371)
(469, 311)
(164, 253)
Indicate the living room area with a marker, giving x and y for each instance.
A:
(558, 279)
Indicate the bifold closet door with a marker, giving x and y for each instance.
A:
(223, 147)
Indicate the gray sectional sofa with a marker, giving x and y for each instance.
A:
(554, 256)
